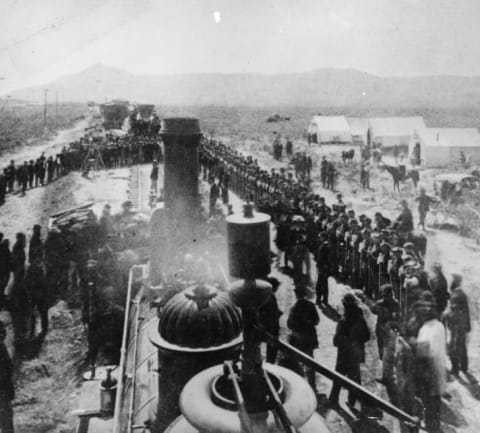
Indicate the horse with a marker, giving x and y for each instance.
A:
(400, 174)
(347, 156)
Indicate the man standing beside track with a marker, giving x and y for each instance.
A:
(322, 259)
(302, 320)
(154, 177)
(7, 391)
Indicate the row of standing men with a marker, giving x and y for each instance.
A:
(392, 268)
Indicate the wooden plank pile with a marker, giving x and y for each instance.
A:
(74, 219)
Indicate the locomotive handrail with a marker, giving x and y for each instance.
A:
(237, 394)
(279, 409)
(344, 381)
(134, 373)
(123, 350)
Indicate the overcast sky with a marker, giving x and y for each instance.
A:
(43, 39)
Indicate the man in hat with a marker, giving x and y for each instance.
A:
(439, 286)
(154, 177)
(7, 391)
(214, 196)
(387, 310)
(35, 249)
(394, 266)
(423, 206)
(322, 258)
(126, 213)
(350, 337)
(459, 328)
(10, 174)
(302, 320)
(459, 322)
(404, 221)
(269, 316)
(431, 365)
(105, 224)
(381, 222)
(331, 175)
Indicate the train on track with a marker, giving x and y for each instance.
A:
(190, 357)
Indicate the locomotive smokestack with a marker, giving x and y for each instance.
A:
(181, 137)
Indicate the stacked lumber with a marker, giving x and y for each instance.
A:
(74, 219)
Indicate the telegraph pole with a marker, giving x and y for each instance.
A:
(45, 110)
(56, 108)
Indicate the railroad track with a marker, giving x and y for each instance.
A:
(135, 187)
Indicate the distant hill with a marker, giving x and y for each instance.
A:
(320, 88)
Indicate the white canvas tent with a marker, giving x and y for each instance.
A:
(441, 147)
(388, 132)
(329, 129)
(359, 130)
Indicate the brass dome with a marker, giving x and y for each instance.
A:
(200, 317)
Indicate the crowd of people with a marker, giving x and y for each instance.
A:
(79, 155)
(383, 259)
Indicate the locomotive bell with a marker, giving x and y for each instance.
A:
(249, 244)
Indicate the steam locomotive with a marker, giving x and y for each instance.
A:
(190, 359)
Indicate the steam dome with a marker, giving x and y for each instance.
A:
(200, 317)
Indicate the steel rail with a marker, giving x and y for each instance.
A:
(123, 351)
(344, 381)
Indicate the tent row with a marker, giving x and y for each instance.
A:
(425, 147)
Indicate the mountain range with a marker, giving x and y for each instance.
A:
(320, 88)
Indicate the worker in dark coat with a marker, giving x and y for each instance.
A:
(269, 316)
(154, 177)
(105, 224)
(7, 391)
(37, 293)
(302, 320)
(19, 302)
(460, 324)
(387, 310)
(31, 173)
(214, 196)
(19, 257)
(10, 175)
(439, 287)
(350, 337)
(458, 328)
(423, 207)
(5, 268)
(22, 177)
(322, 259)
(3, 186)
(405, 219)
(35, 250)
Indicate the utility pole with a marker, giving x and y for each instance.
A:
(45, 110)
(56, 108)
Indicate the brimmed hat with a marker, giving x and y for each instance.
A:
(349, 299)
